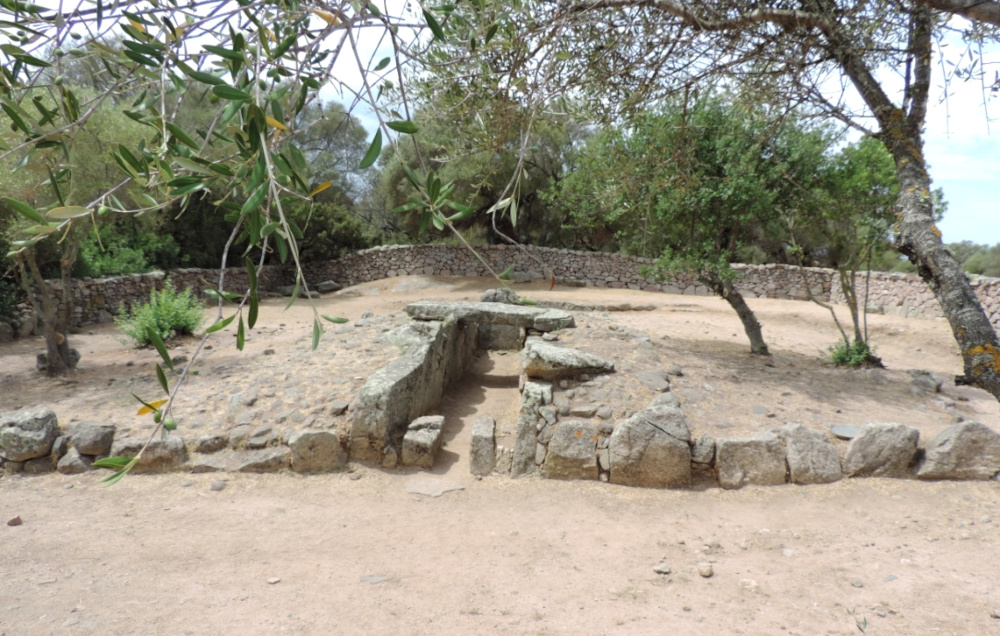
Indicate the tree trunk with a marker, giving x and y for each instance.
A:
(735, 299)
(55, 323)
(847, 282)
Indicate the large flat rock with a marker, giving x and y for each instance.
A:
(538, 318)
(540, 359)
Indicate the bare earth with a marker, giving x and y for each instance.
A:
(359, 553)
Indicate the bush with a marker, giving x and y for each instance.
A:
(854, 355)
(168, 312)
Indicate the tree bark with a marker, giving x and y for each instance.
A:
(55, 323)
(751, 326)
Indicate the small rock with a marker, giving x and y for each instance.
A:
(16, 521)
(663, 568)
(217, 485)
(705, 570)
(995, 614)
(857, 583)
(268, 352)
(846, 431)
(748, 585)
(273, 580)
(186, 484)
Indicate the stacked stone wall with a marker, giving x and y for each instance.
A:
(97, 300)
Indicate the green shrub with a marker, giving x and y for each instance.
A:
(168, 312)
(854, 355)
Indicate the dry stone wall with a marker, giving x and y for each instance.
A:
(97, 300)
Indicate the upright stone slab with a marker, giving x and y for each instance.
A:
(812, 458)
(483, 449)
(882, 450)
(759, 459)
(651, 449)
(572, 452)
(26, 435)
(316, 452)
(422, 441)
(161, 455)
(93, 438)
(968, 450)
(534, 395)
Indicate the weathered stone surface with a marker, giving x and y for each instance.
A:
(59, 448)
(238, 436)
(540, 359)
(422, 441)
(703, 451)
(500, 337)
(93, 438)
(759, 459)
(6, 331)
(571, 452)
(210, 444)
(214, 463)
(492, 313)
(483, 448)
(261, 437)
(812, 458)
(39, 465)
(925, 383)
(651, 449)
(25, 435)
(666, 399)
(654, 380)
(316, 452)
(328, 286)
(409, 386)
(846, 431)
(501, 295)
(265, 460)
(73, 463)
(968, 450)
(338, 407)
(534, 395)
(160, 455)
(882, 450)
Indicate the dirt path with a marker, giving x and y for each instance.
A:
(359, 554)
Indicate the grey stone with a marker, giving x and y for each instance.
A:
(215, 463)
(583, 410)
(59, 447)
(500, 337)
(266, 460)
(245, 398)
(338, 407)
(6, 331)
(534, 395)
(549, 413)
(73, 463)
(759, 459)
(26, 326)
(882, 450)
(39, 465)
(675, 370)
(483, 448)
(539, 318)
(666, 399)
(501, 295)
(654, 380)
(316, 452)
(605, 412)
(925, 383)
(651, 449)
(210, 444)
(812, 458)
(540, 452)
(846, 431)
(160, 455)
(328, 286)
(217, 485)
(422, 441)
(571, 452)
(703, 451)
(261, 437)
(29, 434)
(93, 438)
(238, 436)
(968, 450)
(540, 359)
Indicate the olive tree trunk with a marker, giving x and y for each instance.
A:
(751, 325)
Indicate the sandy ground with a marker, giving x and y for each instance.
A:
(359, 553)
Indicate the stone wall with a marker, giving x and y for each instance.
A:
(96, 300)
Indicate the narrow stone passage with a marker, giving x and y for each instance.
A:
(489, 388)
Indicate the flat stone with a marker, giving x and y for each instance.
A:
(431, 486)
(267, 460)
(968, 450)
(214, 463)
(217, 485)
(654, 380)
(538, 318)
(210, 444)
(846, 431)
(501, 295)
(73, 463)
(39, 465)
(882, 450)
(571, 452)
(238, 436)
(759, 460)
(161, 454)
(666, 399)
(540, 359)
(328, 286)
(338, 407)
